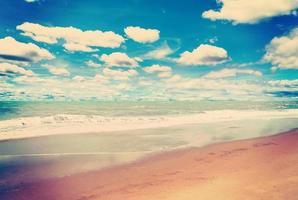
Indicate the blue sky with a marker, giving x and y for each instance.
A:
(142, 49)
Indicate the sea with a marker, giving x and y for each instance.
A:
(16, 109)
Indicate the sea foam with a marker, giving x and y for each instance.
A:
(72, 124)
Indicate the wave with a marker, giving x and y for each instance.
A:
(72, 124)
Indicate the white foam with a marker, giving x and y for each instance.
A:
(71, 124)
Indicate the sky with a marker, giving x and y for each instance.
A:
(148, 50)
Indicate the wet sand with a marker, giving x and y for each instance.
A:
(262, 168)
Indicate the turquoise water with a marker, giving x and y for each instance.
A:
(14, 109)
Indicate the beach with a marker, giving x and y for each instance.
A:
(149, 100)
(72, 151)
(260, 168)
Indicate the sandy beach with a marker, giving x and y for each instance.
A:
(149, 100)
(262, 168)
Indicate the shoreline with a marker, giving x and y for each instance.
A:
(256, 168)
(29, 127)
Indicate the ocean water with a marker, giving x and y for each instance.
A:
(35, 158)
(15, 109)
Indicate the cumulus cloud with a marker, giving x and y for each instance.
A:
(250, 11)
(164, 75)
(123, 86)
(284, 83)
(181, 87)
(222, 86)
(225, 73)
(90, 63)
(175, 78)
(157, 68)
(162, 71)
(72, 47)
(100, 78)
(10, 49)
(61, 88)
(283, 88)
(33, 80)
(79, 78)
(204, 55)
(119, 74)
(7, 68)
(159, 53)
(118, 59)
(75, 39)
(282, 52)
(142, 35)
(59, 71)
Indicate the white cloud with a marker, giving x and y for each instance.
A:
(100, 78)
(175, 78)
(246, 64)
(138, 59)
(33, 80)
(90, 63)
(163, 71)
(143, 82)
(6, 86)
(204, 55)
(42, 87)
(59, 71)
(250, 11)
(11, 49)
(157, 68)
(118, 59)
(142, 35)
(159, 53)
(201, 88)
(283, 88)
(175, 87)
(72, 47)
(8, 68)
(119, 75)
(282, 52)
(123, 86)
(284, 83)
(164, 75)
(31, 1)
(75, 39)
(225, 73)
(213, 40)
(78, 78)
(215, 89)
